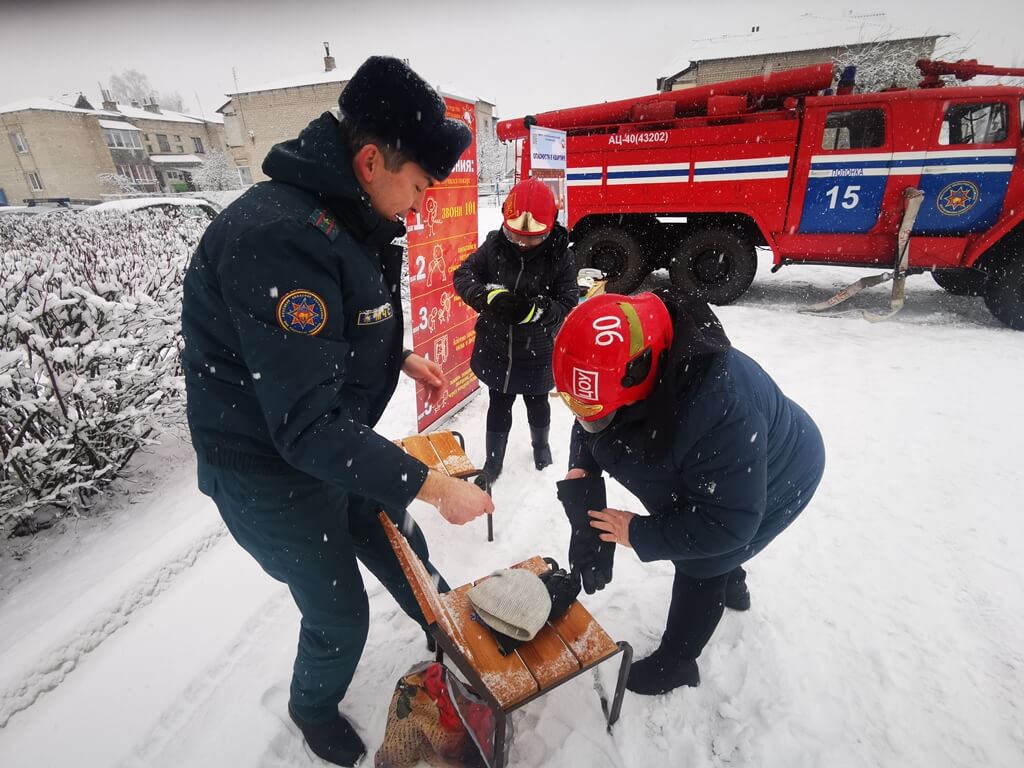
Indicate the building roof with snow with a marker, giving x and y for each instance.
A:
(123, 111)
(783, 36)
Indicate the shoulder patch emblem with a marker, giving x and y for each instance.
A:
(375, 315)
(323, 221)
(302, 312)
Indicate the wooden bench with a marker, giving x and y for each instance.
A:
(445, 452)
(562, 650)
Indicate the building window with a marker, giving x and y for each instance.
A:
(974, 124)
(197, 145)
(20, 145)
(245, 175)
(854, 129)
(122, 139)
(142, 174)
(165, 145)
(34, 181)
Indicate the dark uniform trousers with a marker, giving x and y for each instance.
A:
(308, 534)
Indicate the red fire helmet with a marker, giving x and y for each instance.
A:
(607, 353)
(530, 208)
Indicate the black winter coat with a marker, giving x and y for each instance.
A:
(292, 322)
(517, 358)
(722, 460)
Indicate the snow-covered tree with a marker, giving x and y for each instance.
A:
(217, 172)
(131, 85)
(490, 155)
(172, 100)
(891, 63)
(117, 182)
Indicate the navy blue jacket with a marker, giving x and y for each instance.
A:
(721, 459)
(517, 358)
(292, 322)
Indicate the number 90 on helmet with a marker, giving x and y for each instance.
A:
(607, 354)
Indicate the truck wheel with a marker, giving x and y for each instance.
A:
(961, 282)
(714, 264)
(617, 253)
(1004, 293)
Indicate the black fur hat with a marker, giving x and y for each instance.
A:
(387, 99)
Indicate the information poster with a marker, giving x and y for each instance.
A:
(548, 163)
(440, 238)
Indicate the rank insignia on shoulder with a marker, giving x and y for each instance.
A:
(323, 221)
(302, 312)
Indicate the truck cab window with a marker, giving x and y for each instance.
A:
(854, 129)
(974, 124)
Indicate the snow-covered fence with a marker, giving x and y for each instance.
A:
(89, 349)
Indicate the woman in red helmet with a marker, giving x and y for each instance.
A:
(522, 281)
(720, 458)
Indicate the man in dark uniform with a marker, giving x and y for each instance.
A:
(292, 322)
(721, 459)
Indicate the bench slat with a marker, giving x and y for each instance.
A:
(423, 587)
(451, 455)
(420, 447)
(507, 677)
(576, 627)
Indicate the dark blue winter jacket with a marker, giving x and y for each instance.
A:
(517, 358)
(721, 459)
(292, 323)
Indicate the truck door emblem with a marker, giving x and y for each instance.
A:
(957, 198)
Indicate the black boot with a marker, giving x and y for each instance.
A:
(737, 596)
(497, 442)
(541, 449)
(662, 672)
(336, 741)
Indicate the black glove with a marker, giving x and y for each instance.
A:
(509, 308)
(563, 588)
(542, 310)
(588, 555)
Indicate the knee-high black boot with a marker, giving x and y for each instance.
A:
(497, 442)
(541, 449)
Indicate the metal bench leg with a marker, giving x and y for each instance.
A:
(500, 732)
(620, 687)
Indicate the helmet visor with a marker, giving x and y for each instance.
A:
(580, 409)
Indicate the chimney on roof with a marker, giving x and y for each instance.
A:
(328, 59)
(108, 101)
(151, 105)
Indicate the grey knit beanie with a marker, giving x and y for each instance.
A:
(514, 602)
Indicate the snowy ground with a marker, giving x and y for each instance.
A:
(885, 629)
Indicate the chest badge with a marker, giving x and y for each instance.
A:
(375, 315)
(302, 312)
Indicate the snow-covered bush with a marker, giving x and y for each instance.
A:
(89, 349)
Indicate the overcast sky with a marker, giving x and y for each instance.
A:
(525, 56)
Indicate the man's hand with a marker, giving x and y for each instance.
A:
(429, 374)
(614, 524)
(456, 500)
(575, 473)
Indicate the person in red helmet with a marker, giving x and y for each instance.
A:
(719, 457)
(522, 281)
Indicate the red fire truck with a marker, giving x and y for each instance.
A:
(694, 180)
